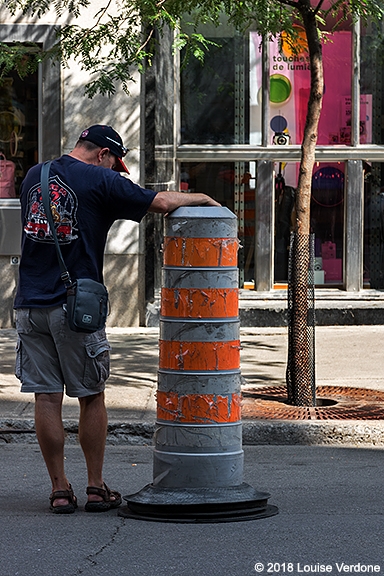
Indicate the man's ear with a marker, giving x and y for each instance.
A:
(102, 153)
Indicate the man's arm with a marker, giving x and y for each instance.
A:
(165, 202)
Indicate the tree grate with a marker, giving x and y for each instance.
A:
(332, 403)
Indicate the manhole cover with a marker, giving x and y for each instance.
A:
(333, 403)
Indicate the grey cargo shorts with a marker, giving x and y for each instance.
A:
(52, 358)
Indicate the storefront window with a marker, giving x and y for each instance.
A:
(233, 185)
(213, 95)
(327, 220)
(221, 101)
(290, 86)
(372, 83)
(374, 225)
(222, 104)
(214, 178)
(18, 131)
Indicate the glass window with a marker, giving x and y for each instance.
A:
(217, 179)
(233, 185)
(327, 220)
(290, 86)
(373, 225)
(221, 100)
(18, 131)
(213, 95)
(30, 126)
(371, 85)
(230, 89)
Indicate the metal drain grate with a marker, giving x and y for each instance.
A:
(333, 403)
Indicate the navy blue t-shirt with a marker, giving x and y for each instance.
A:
(86, 200)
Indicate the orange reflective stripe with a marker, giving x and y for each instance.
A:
(198, 408)
(199, 355)
(199, 302)
(200, 251)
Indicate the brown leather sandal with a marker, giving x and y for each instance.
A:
(64, 508)
(106, 503)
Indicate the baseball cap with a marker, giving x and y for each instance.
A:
(107, 137)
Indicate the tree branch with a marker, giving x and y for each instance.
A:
(146, 42)
(318, 7)
(101, 14)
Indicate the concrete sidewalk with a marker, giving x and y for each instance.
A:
(345, 356)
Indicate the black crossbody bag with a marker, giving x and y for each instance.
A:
(87, 300)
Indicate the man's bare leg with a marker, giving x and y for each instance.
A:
(92, 435)
(50, 434)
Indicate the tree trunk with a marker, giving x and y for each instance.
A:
(299, 371)
(308, 147)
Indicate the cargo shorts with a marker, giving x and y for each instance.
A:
(50, 357)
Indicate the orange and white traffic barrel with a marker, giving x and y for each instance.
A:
(198, 433)
(198, 456)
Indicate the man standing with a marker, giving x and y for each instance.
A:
(87, 195)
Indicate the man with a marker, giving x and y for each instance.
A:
(87, 195)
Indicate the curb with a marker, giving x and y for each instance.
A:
(321, 433)
(13, 430)
(278, 432)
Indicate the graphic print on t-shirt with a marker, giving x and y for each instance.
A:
(63, 207)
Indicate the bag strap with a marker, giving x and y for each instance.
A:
(44, 176)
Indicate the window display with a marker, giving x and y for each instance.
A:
(18, 131)
(327, 220)
(290, 85)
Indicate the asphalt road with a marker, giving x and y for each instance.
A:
(330, 500)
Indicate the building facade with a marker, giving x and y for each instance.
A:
(231, 129)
